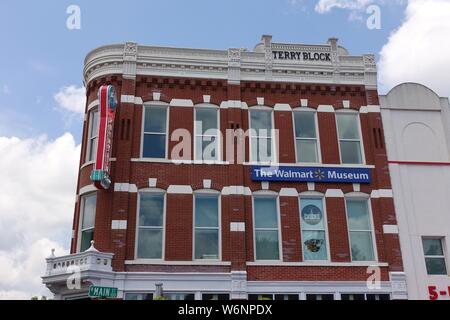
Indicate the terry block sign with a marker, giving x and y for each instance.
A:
(108, 103)
(311, 174)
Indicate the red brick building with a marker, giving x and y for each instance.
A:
(206, 226)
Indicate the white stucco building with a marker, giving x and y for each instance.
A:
(417, 132)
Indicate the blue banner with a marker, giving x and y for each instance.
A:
(312, 174)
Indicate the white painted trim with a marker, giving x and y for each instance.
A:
(233, 104)
(178, 263)
(236, 190)
(87, 189)
(334, 193)
(346, 104)
(131, 99)
(181, 103)
(356, 187)
(311, 186)
(119, 224)
(282, 107)
(303, 102)
(155, 105)
(156, 96)
(87, 164)
(237, 226)
(390, 229)
(207, 183)
(265, 185)
(288, 192)
(93, 105)
(382, 193)
(318, 264)
(206, 98)
(260, 101)
(180, 189)
(317, 139)
(125, 187)
(374, 108)
(309, 165)
(325, 108)
(152, 182)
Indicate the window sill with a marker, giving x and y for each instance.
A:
(178, 162)
(317, 264)
(312, 165)
(178, 263)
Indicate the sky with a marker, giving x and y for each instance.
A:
(42, 94)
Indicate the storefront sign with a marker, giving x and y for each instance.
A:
(311, 174)
(108, 103)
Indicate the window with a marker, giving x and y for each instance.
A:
(306, 137)
(266, 228)
(206, 238)
(155, 126)
(362, 296)
(269, 296)
(206, 134)
(360, 230)
(218, 296)
(139, 296)
(179, 296)
(88, 204)
(434, 256)
(93, 135)
(150, 226)
(349, 138)
(261, 135)
(319, 297)
(313, 229)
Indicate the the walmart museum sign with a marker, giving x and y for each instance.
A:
(311, 174)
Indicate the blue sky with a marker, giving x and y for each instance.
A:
(41, 55)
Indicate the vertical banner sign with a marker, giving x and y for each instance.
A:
(108, 103)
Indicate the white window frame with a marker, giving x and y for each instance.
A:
(218, 136)
(317, 138)
(274, 155)
(89, 157)
(82, 198)
(217, 194)
(163, 251)
(361, 196)
(314, 195)
(361, 142)
(273, 195)
(155, 104)
(442, 240)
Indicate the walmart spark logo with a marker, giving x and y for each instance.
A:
(319, 174)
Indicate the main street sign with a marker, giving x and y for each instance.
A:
(102, 292)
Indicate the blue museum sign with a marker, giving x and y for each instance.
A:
(311, 174)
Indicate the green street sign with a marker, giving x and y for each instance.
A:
(102, 292)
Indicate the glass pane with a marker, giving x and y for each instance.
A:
(154, 146)
(150, 244)
(93, 149)
(206, 244)
(348, 126)
(261, 119)
(314, 245)
(352, 297)
(351, 152)
(432, 247)
(266, 213)
(94, 124)
(205, 119)
(206, 211)
(358, 215)
(89, 204)
(435, 266)
(362, 246)
(212, 296)
(307, 151)
(312, 217)
(267, 245)
(155, 119)
(205, 148)
(86, 238)
(151, 210)
(305, 124)
(261, 149)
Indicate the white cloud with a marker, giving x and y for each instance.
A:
(37, 197)
(419, 50)
(71, 98)
(323, 6)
